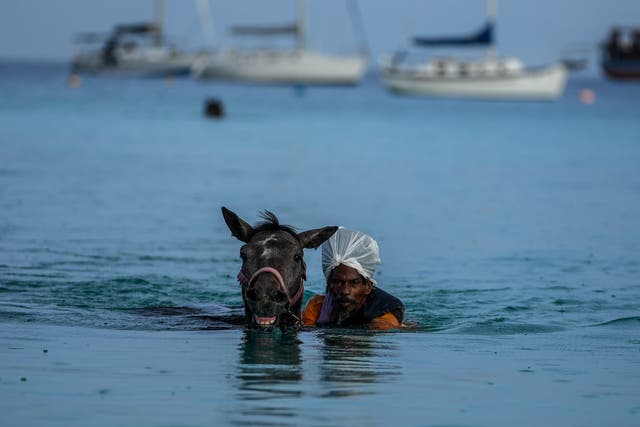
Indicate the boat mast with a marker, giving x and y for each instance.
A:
(492, 13)
(301, 24)
(206, 23)
(159, 18)
(358, 27)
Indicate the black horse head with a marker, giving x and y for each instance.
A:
(273, 269)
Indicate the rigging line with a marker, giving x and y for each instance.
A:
(414, 11)
(358, 25)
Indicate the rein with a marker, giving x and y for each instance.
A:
(242, 278)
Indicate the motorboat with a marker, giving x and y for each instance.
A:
(621, 54)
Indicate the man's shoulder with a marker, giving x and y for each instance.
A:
(312, 310)
(315, 300)
(382, 296)
(380, 303)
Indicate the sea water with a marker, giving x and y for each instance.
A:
(510, 231)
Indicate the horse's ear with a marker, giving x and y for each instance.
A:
(314, 238)
(239, 228)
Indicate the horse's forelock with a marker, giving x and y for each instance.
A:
(269, 218)
(271, 223)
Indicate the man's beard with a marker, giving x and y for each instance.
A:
(345, 308)
(343, 315)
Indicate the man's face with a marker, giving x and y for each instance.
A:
(349, 289)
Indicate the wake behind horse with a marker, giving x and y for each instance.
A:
(273, 269)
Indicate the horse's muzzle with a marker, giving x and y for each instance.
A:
(267, 297)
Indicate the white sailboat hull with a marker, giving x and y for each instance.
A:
(283, 67)
(151, 62)
(529, 84)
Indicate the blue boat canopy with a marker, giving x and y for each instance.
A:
(482, 37)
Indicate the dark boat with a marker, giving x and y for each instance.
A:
(621, 54)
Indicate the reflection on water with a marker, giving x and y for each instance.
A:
(277, 374)
(354, 362)
(269, 374)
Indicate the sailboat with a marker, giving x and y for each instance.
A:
(489, 77)
(296, 65)
(138, 49)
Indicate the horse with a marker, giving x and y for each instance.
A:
(273, 269)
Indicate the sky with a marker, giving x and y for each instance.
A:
(537, 31)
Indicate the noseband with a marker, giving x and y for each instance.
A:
(242, 278)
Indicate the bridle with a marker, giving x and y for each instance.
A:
(248, 283)
(242, 278)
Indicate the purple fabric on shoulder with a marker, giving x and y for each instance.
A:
(327, 309)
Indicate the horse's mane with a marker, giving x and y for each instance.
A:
(271, 223)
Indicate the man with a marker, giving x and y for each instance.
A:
(349, 259)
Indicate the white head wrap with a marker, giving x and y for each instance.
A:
(353, 249)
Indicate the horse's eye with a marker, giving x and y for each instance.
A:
(297, 258)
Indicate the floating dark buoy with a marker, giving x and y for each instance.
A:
(213, 108)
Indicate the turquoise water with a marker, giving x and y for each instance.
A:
(510, 231)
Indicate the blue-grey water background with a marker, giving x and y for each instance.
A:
(510, 230)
